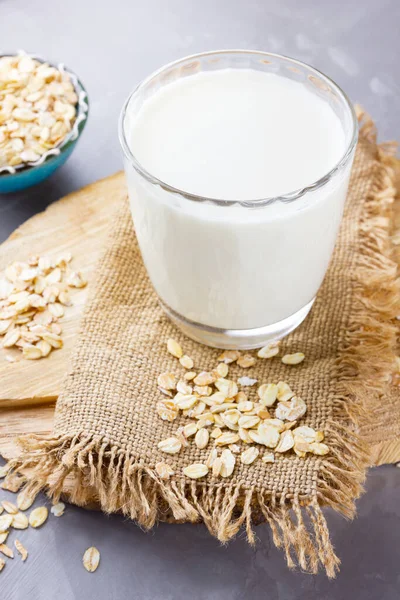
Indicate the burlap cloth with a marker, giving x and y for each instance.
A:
(106, 427)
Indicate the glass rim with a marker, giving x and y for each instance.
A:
(287, 197)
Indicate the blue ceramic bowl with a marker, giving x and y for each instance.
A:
(33, 173)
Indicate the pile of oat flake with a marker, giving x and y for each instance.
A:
(236, 422)
(33, 296)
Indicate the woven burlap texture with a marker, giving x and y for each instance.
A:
(382, 432)
(107, 430)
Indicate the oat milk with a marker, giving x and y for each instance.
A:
(244, 135)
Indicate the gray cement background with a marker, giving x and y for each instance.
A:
(112, 46)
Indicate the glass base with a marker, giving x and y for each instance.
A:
(238, 339)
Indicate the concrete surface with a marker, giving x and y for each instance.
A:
(112, 45)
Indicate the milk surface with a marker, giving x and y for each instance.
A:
(236, 134)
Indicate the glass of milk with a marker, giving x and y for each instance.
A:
(237, 164)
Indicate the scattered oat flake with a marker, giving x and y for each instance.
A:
(196, 411)
(203, 390)
(44, 347)
(269, 351)
(25, 500)
(58, 509)
(204, 378)
(291, 410)
(222, 369)
(234, 448)
(31, 352)
(20, 521)
(216, 432)
(269, 457)
(293, 359)
(167, 381)
(9, 507)
(263, 413)
(305, 434)
(217, 398)
(290, 425)
(190, 429)
(227, 438)
(6, 550)
(248, 421)
(227, 387)
(217, 467)
(186, 362)
(91, 559)
(5, 522)
(185, 401)
(229, 356)
(56, 309)
(62, 260)
(284, 391)
(174, 348)
(181, 437)
(2, 564)
(230, 418)
(189, 375)
(196, 470)
(246, 361)
(11, 338)
(220, 408)
(76, 279)
(201, 439)
(183, 387)
(247, 381)
(228, 463)
(277, 423)
(3, 536)
(319, 449)
(165, 392)
(22, 550)
(286, 442)
(249, 456)
(301, 448)
(211, 458)
(38, 516)
(268, 393)
(164, 470)
(170, 445)
(266, 436)
(245, 406)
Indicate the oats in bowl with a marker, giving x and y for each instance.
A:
(42, 109)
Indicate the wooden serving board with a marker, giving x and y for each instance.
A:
(78, 223)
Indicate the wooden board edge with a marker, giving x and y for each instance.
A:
(61, 201)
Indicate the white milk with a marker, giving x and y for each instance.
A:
(236, 134)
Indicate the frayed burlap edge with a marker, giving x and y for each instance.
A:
(118, 482)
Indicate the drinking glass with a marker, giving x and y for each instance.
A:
(229, 273)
